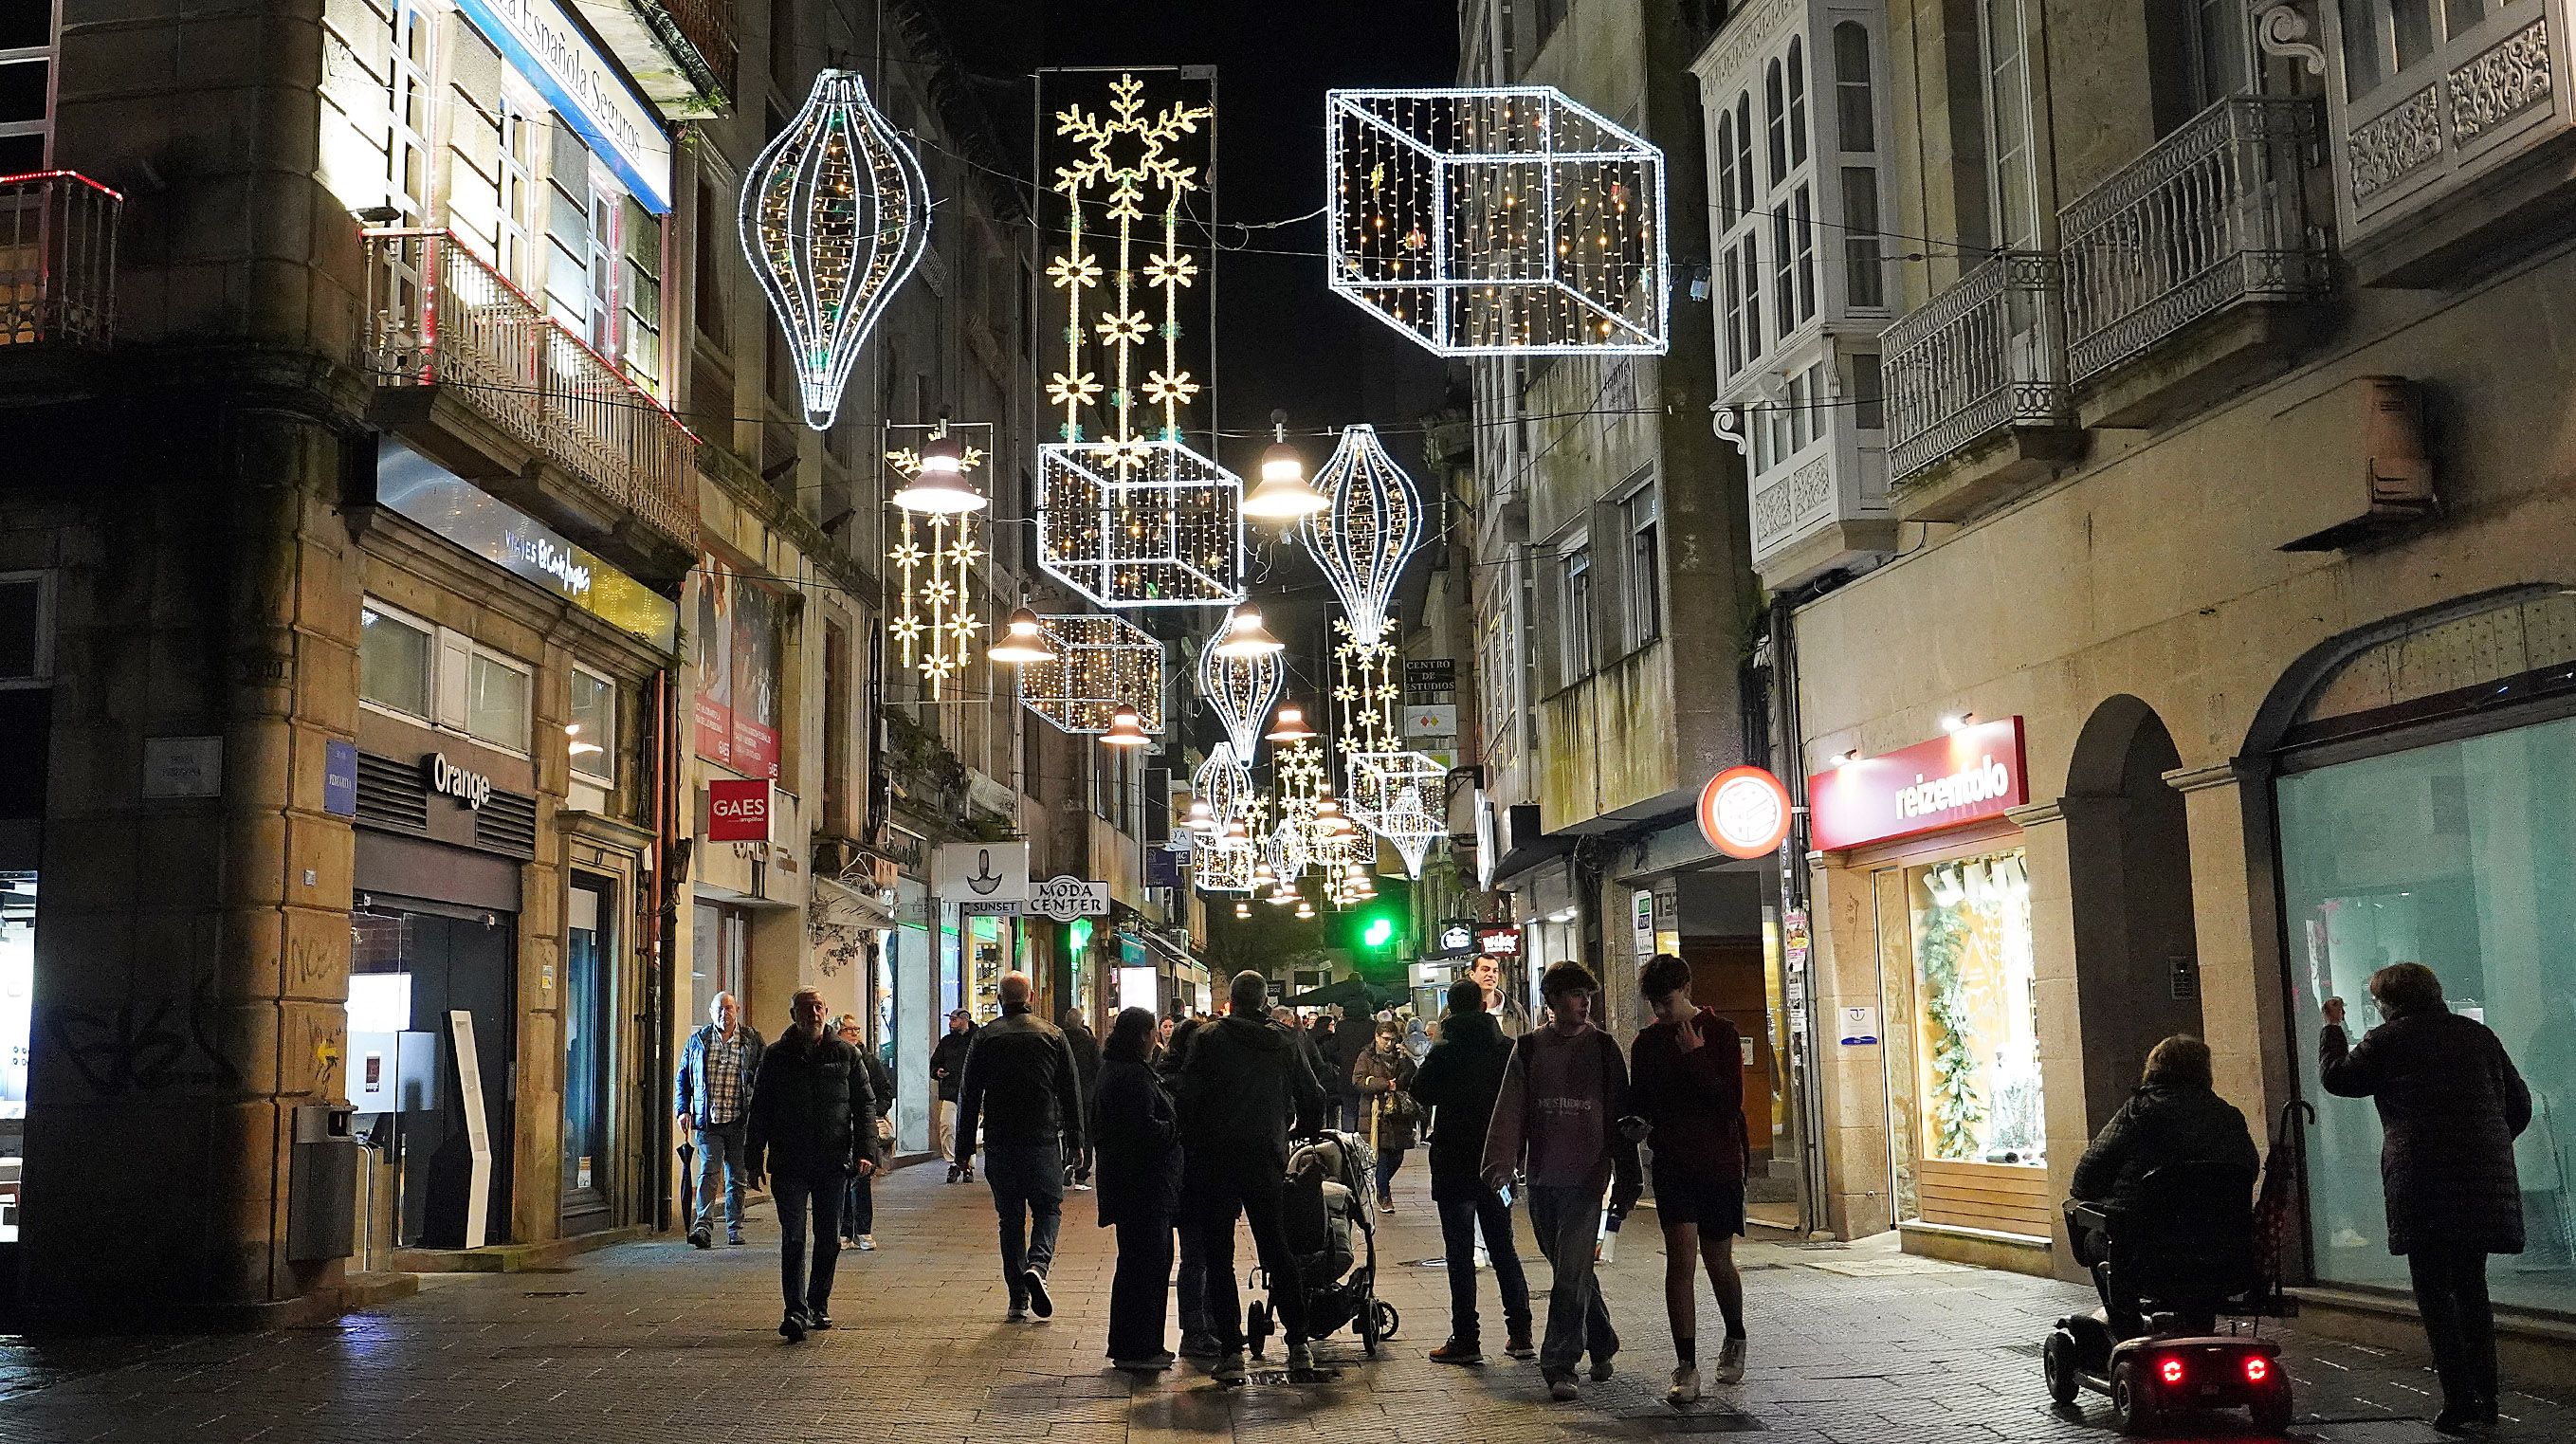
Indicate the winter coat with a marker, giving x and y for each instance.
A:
(2161, 1123)
(1693, 1101)
(2450, 1106)
(812, 1115)
(1386, 1080)
(1136, 1137)
(1458, 1083)
(1020, 1084)
(1350, 1040)
(1243, 1085)
(948, 1061)
(880, 1082)
(1086, 1056)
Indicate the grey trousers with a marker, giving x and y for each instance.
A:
(1567, 1221)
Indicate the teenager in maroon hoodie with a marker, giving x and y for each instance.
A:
(1686, 1083)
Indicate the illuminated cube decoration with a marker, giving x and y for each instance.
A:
(1101, 664)
(1488, 222)
(1222, 866)
(1140, 523)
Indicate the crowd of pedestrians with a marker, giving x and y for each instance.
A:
(1189, 1123)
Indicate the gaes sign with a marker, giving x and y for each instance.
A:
(738, 809)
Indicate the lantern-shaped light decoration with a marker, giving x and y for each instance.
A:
(834, 216)
(1224, 784)
(1101, 665)
(1489, 222)
(1240, 690)
(1370, 529)
(1400, 797)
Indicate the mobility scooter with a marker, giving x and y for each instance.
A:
(2169, 1269)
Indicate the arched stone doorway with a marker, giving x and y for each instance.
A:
(2128, 851)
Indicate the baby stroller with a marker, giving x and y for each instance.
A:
(1324, 1211)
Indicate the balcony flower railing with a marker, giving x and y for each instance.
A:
(57, 259)
(1980, 359)
(2213, 216)
(443, 317)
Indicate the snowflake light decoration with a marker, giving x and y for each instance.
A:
(1132, 517)
(938, 604)
(1485, 222)
(1240, 690)
(1372, 528)
(834, 216)
(1101, 664)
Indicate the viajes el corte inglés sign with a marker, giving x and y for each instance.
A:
(1970, 775)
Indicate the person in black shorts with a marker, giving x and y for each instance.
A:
(1686, 1090)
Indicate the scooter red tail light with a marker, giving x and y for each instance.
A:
(2170, 1370)
(2257, 1368)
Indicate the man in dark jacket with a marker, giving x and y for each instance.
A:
(1020, 1085)
(1350, 1040)
(947, 1070)
(812, 1127)
(1244, 1085)
(2451, 1103)
(1086, 1067)
(2175, 1116)
(1456, 1085)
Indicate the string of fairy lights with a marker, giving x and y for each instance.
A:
(1477, 222)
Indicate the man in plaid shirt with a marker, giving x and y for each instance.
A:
(712, 1096)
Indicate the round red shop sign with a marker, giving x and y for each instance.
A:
(1744, 812)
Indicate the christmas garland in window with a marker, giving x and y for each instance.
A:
(1956, 1107)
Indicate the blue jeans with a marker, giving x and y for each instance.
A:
(1027, 1180)
(720, 1148)
(798, 1197)
(1388, 1161)
(1568, 1222)
(859, 1208)
(1459, 1218)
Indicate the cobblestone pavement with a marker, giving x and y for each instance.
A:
(655, 1341)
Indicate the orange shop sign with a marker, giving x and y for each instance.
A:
(1969, 775)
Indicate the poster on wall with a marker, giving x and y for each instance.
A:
(734, 666)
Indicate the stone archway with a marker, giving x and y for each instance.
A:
(2128, 848)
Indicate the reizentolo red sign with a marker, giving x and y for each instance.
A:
(738, 810)
(1965, 776)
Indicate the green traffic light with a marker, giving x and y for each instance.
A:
(1381, 931)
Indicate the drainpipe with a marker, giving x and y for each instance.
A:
(1789, 747)
(661, 928)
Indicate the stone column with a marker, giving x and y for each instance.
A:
(2240, 987)
(2061, 1028)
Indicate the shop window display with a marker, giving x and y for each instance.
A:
(17, 1013)
(2456, 855)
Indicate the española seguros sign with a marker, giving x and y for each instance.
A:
(1970, 775)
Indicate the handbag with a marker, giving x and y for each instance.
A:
(885, 1129)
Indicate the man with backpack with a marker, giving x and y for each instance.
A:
(1556, 1117)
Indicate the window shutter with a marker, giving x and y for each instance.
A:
(455, 669)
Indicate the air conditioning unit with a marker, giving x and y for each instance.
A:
(2347, 466)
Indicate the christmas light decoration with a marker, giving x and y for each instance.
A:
(1240, 690)
(1224, 784)
(938, 605)
(1486, 222)
(1101, 664)
(1023, 640)
(1133, 517)
(1370, 527)
(834, 216)
(1399, 796)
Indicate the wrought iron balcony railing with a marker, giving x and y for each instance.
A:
(57, 259)
(1982, 358)
(2215, 215)
(441, 316)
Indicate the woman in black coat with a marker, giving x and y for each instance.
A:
(2450, 1106)
(1136, 1135)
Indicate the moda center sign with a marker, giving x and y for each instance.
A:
(1969, 775)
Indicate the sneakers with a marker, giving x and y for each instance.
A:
(1232, 1369)
(1730, 1361)
(1560, 1387)
(955, 1173)
(1519, 1345)
(1150, 1364)
(792, 1328)
(1040, 1302)
(1019, 1314)
(1301, 1357)
(867, 1242)
(1386, 1205)
(1458, 1351)
(818, 1322)
(700, 1238)
(1685, 1389)
(1199, 1346)
(969, 1176)
(733, 1236)
(1601, 1368)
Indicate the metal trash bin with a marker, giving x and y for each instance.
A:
(322, 1184)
